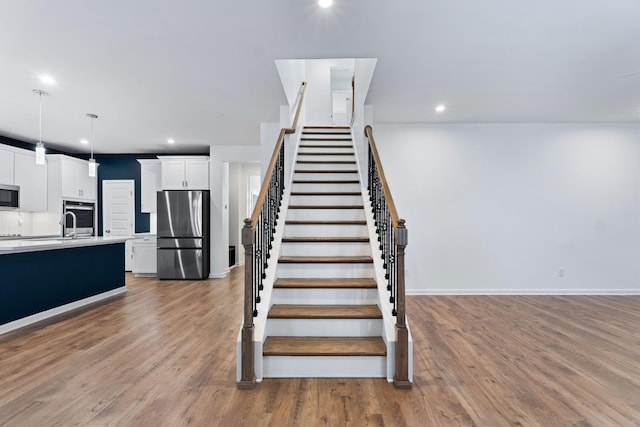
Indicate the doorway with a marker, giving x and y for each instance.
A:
(118, 207)
(342, 87)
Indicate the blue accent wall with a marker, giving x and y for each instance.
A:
(123, 166)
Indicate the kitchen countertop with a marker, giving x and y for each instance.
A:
(46, 244)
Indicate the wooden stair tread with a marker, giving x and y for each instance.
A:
(346, 283)
(326, 207)
(326, 193)
(322, 239)
(324, 346)
(326, 181)
(325, 171)
(326, 222)
(325, 260)
(305, 311)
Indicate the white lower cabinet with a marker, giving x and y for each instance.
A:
(128, 255)
(144, 256)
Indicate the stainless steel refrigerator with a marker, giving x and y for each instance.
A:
(183, 234)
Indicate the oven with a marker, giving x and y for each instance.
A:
(9, 196)
(85, 213)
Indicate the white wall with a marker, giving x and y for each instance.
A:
(517, 208)
(221, 155)
(29, 223)
(318, 97)
(236, 193)
(292, 74)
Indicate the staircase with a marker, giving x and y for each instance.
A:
(324, 320)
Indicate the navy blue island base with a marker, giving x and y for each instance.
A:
(34, 282)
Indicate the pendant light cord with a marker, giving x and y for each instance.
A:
(92, 137)
(40, 134)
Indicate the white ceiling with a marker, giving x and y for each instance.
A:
(203, 72)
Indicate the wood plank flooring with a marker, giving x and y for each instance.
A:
(164, 355)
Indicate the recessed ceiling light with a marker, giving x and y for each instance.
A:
(325, 3)
(171, 141)
(47, 79)
(84, 142)
(440, 108)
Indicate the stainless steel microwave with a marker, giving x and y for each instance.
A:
(9, 196)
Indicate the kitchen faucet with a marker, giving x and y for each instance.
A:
(73, 218)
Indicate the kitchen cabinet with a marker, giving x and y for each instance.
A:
(150, 183)
(6, 166)
(144, 256)
(32, 179)
(68, 178)
(128, 255)
(184, 173)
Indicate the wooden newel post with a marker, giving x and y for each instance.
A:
(248, 377)
(401, 377)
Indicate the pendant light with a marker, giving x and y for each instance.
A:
(93, 166)
(40, 146)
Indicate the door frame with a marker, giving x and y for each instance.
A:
(133, 197)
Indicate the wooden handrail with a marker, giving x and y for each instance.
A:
(255, 215)
(393, 241)
(395, 220)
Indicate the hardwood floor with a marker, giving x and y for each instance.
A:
(164, 355)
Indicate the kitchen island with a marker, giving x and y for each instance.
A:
(42, 278)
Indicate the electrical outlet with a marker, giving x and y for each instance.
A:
(561, 272)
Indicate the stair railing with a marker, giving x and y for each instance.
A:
(392, 239)
(257, 237)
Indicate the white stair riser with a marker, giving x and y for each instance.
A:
(325, 166)
(325, 249)
(325, 214)
(326, 176)
(338, 296)
(326, 200)
(316, 187)
(329, 136)
(329, 150)
(324, 327)
(325, 230)
(327, 157)
(324, 366)
(323, 271)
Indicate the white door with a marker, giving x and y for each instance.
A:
(118, 205)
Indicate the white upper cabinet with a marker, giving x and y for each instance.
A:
(149, 183)
(32, 179)
(185, 173)
(6, 166)
(197, 174)
(68, 178)
(18, 167)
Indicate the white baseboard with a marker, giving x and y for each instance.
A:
(218, 275)
(523, 292)
(38, 317)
